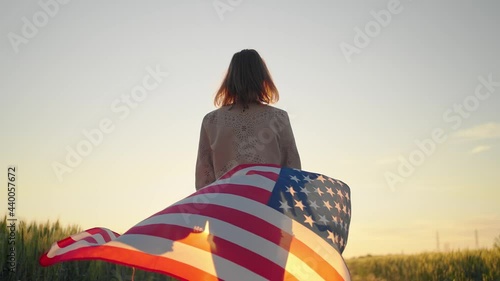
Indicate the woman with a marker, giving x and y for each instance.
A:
(245, 129)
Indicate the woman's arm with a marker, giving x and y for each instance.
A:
(289, 154)
(204, 174)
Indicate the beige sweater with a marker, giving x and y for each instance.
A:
(230, 136)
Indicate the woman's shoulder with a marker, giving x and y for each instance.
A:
(210, 116)
(216, 114)
(276, 111)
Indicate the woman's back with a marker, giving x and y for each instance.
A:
(232, 135)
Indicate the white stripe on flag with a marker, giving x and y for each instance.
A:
(300, 269)
(55, 250)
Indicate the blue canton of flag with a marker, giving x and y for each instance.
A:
(318, 202)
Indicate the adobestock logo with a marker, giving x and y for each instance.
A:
(121, 106)
(222, 7)
(454, 116)
(30, 28)
(372, 29)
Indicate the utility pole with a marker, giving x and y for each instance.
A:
(437, 240)
(477, 240)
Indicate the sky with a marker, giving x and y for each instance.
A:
(398, 99)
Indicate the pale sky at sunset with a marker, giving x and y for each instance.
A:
(356, 116)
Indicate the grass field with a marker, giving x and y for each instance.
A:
(34, 238)
(477, 265)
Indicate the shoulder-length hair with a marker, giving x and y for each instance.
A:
(247, 81)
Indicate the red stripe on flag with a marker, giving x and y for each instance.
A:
(270, 175)
(65, 242)
(244, 166)
(248, 191)
(90, 239)
(106, 236)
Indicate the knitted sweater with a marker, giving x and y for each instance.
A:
(231, 135)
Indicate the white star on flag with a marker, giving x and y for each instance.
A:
(308, 179)
(299, 204)
(284, 206)
(335, 219)
(291, 190)
(330, 191)
(318, 190)
(313, 204)
(323, 219)
(304, 190)
(327, 204)
(340, 194)
(308, 220)
(321, 178)
(337, 206)
(331, 236)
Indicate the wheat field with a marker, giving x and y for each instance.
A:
(32, 239)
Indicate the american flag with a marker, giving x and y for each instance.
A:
(257, 222)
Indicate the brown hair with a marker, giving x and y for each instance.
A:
(247, 81)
